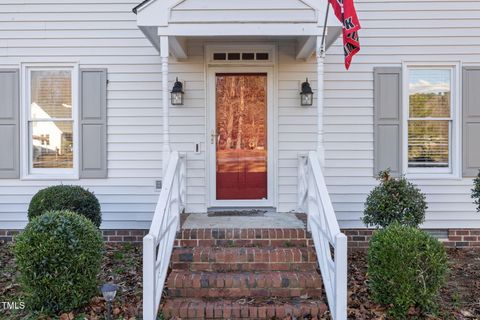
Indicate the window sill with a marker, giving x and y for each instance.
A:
(432, 176)
(44, 177)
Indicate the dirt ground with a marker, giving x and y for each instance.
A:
(122, 264)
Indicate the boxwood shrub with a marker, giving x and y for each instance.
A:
(394, 200)
(476, 191)
(65, 197)
(59, 257)
(406, 267)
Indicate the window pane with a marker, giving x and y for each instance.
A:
(51, 94)
(428, 143)
(52, 144)
(429, 93)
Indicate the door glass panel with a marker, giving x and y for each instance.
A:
(241, 136)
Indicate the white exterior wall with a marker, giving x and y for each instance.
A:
(394, 31)
(100, 34)
(104, 35)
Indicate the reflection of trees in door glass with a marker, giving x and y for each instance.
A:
(241, 110)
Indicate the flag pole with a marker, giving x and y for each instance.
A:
(324, 32)
(320, 88)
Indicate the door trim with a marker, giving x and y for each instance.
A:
(211, 148)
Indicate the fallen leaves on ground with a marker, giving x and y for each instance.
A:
(122, 264)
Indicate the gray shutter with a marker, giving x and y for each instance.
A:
(9, 124)
(388, 119)
(93, 123)
(471, 121)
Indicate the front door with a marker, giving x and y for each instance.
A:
(239, 139)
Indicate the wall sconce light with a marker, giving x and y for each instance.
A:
(177, 94)
(306, 96)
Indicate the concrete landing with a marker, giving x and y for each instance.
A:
(242, 220)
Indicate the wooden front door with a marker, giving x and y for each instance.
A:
(241, 136)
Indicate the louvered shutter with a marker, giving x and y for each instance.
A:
(93, 123)
(388, 119)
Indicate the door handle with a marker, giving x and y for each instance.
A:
(213, 137)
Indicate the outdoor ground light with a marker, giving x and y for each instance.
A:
(177, 94)
(109, 290)
(306, 96)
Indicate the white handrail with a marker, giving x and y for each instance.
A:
(158, 243)
(322, 222)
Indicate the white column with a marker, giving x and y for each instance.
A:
(165, 103)
(320, 102)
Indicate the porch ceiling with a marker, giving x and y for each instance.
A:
(184, 19)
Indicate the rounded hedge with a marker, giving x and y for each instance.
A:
(406, 267)
(64, 197)
(59, 257)
(394, 200)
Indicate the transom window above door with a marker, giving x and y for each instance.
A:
(241, 56)
(237, 53)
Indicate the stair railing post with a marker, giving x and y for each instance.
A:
(340, 277)
(149, 279)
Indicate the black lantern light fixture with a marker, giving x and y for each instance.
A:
(306, 95)
(177, 94)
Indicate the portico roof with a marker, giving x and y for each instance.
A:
(183, 19)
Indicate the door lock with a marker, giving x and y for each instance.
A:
(213, 137)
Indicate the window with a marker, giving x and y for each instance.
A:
(431, 111)
(50, 122)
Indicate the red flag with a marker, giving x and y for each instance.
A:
(345, 12)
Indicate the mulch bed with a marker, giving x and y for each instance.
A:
(459, 299)
(122, 264)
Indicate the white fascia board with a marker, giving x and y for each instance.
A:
(240, 29)
(154, 13)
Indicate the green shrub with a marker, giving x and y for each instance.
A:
(59, 257)
(394, 200)
(63, 197)
(406, 267)
(476, 191)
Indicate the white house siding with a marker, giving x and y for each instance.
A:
(408, 30)
(104, 34)
(95, 34)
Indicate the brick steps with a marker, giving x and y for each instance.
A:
(243, 237)
(241, 309)
(181, 283)
(243, 274)
(221, 259)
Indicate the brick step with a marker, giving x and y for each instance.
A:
(188, 308)
(243, 237)
(221, 259)
(182, 283)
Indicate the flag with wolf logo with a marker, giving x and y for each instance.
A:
(346, 13)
